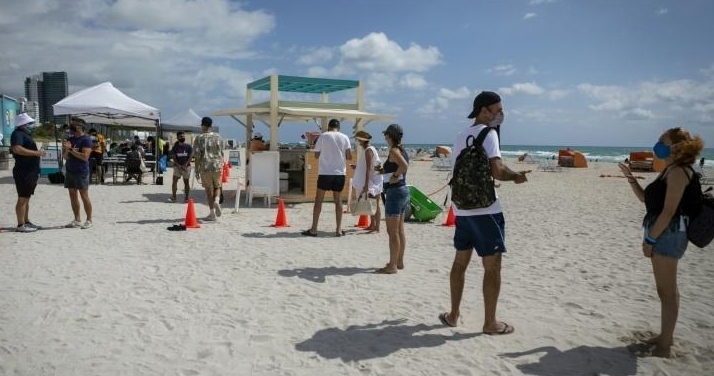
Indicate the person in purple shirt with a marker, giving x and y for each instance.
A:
(181, 154)
(76, 151)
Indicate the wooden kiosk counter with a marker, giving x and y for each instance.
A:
(291, 174)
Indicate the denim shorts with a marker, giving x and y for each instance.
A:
(76, 180)
(485, 233)
(673, 241)
(397, 199)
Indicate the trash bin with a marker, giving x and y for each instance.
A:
(4, 158)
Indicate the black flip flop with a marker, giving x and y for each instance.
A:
(444, 318)
(308, 233)
(176, 228)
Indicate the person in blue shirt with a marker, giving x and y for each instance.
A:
(181, 154)
(26, 171)
(76, 151)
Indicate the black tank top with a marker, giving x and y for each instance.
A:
(657, 190)
(389, 167)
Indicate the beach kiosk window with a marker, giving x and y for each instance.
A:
(292, 173)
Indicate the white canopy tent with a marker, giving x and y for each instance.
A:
(187, 121)
(105, 104)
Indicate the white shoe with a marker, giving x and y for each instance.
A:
(217, 207)
(30, 224)
(86, 225)
(74, 224)
(26, 228)
(210, 218)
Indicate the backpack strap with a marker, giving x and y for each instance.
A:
(482, 135)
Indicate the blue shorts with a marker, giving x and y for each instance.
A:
(396, 201)
(484, 233)
(673, 241)
(76, 180)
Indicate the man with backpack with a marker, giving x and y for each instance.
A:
(479, 219)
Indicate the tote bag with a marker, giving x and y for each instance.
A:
(363, 206)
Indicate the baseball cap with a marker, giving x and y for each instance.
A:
(483, 99)
(257, 135)
(207, 121)
(394, 130)
(23, 119)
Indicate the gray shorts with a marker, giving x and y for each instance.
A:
(76, 180)
(182, 172)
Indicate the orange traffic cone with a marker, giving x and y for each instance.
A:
(450, 219)
(191, 221)
(281, 220)
(363, 221)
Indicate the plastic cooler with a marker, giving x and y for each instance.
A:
(423, 209)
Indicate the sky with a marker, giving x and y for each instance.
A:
(570, 72)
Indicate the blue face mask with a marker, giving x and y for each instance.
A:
(661, 150)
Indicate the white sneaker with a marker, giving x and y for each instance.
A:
(74, 224)
(30, 224)
(86, 225)
(26, 228)
(217, 207)
(210, 218)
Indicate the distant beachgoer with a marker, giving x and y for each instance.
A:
(99, 147)
(396, 197)
(482, 229)
(26, 171)
(332, 148)
(208, 163)
(181, 154)
(701, 162)
(257, 143)
(665, 236)
(76, 151)
(366, 181)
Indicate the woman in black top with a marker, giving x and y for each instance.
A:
(665, 236)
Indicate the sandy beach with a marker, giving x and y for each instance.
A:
(240, 297)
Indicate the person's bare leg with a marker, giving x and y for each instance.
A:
(74, 201)
(84, 194)
(338, 212)
(27, 210)
(174, 187)
(186, 189)
(393, 233)
(21, 210)
(210, 197)
(665, 273)
(374, 219)
(491, 290)
(316, 209)
(457, 279)
(402, 243)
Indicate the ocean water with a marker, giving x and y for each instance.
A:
(606, 154)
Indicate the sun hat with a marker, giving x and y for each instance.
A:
(363, 136)
(483, 99)
(23, 119)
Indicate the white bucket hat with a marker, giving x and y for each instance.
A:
(23, 119)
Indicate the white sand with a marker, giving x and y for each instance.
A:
(240, 297)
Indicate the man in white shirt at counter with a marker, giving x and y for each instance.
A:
(332, 149)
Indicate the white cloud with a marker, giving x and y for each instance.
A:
(678, 99)
(539, 2)
(440, 103)
(662, 11)
(502, 70)
(316, 56)
(375, 52)
(529, 88)
(530, 15)
(413, 81)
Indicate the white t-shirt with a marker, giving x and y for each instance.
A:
(490, 144)
(333, 147)
(374, 186)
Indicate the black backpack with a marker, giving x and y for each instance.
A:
(700, 230)
(472, 185)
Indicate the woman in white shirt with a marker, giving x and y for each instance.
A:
(366, 180)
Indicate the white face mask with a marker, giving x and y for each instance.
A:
(496, 121)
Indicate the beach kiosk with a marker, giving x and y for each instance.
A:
(292, 173)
